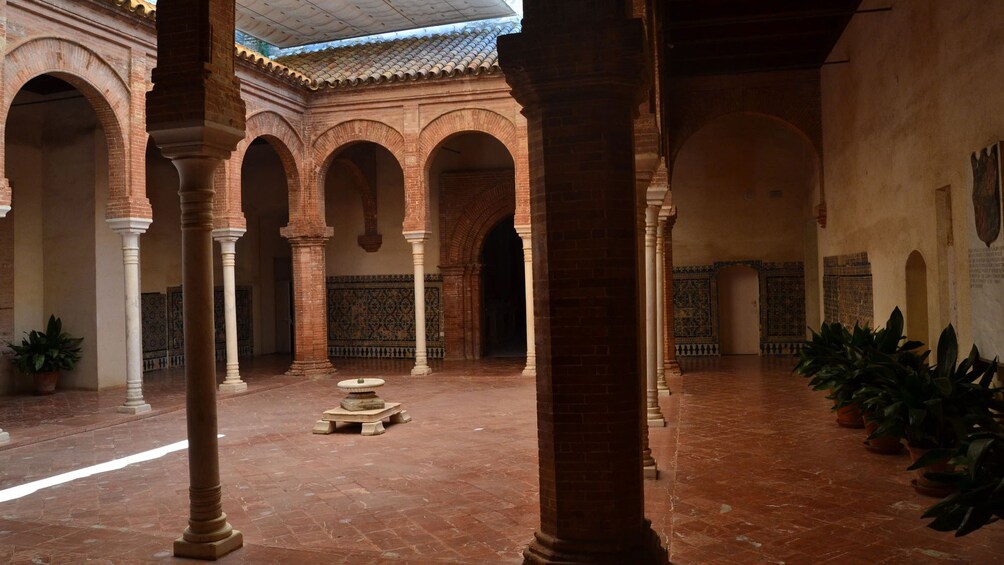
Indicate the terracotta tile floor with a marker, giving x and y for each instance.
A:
(763, 475)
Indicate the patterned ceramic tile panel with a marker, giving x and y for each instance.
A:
(695, 303)
(847, 289)
(374, 316)
(175, 333)
(154, 323)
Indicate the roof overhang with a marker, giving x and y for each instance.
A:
(291, 23)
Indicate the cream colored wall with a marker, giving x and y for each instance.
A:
(344, 213)
(924, 89)
(160, 246)
(722, 183)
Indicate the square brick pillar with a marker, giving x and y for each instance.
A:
(578, 74)
(310, 302)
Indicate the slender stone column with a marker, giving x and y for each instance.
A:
(130, 229)
(417, 240)
(531, 346)
(227, 237)
(196, 116)
(655, 418)
(4, 436)
(584, 221)
(660, 319)
(670, 364)
(310, 304)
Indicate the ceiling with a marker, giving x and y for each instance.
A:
(734, 36)
(290, 23)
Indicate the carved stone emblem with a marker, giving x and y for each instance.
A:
(987, 192)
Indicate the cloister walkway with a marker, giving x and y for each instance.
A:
(763, 475)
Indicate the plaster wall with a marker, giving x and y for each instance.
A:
(743, 187)
(344, 213)
(922, 91)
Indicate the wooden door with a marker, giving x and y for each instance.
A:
(739, 311)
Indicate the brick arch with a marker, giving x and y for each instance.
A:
(329, 143)
(286, 142)
(472, 203)
(105, 90)
(467, 120)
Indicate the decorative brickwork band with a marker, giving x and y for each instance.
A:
(584, 220)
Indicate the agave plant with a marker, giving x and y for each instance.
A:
(51, 350)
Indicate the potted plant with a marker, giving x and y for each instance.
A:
(936, 407)
(45, 354)
(979, 496)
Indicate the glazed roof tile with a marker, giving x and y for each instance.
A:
(461, 53)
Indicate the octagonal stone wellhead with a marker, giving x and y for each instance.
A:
(361, 394)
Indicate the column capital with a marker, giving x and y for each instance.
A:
(414, 237)
(4, 196)
(129, 226)
(306, 235)
(524, 231)
(4, 209)
(228, 234)
(656, 193)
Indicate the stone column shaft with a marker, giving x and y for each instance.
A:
(660, 319)
(4, 436)
(670, 364)
(228, 255)
(531, 347)
(130, 229)
(655, 418)
(417, 240)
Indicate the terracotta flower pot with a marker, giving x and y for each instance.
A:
(926, 486)
(886, 445)
(45, 383)
(850, 417)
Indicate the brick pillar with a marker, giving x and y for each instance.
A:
(310, 304)
(670, 365)
(578, 74)
(196, 116)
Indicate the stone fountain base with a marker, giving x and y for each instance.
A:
(362, 406)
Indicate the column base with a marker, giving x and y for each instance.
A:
(422, 371)
(659, 422)
(239, 386)
(545, 550)
(651, 472)
(530, 372)
(664, 391)
(311, 369)
(4, 437)
(672, 369)
(138, 409)
(209, 551)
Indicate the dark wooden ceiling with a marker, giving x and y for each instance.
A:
(738, 36)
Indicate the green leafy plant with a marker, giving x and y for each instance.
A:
(842, 360)
(979, 499)
(933, 407)
(51, 350)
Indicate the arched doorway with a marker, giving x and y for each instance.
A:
(917, 327)
(503, 297)
(66, 261)
(739, 310)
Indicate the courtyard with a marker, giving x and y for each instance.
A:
(753, 469)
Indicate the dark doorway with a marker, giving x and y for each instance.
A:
(503, 294)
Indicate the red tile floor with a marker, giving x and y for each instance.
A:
(754, 471)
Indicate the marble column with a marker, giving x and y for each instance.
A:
(584, 222)
(655, 418)
(196, 116)
(670, 364)
(4, 436)
(227, 238)
(130, 229)
(660, 319)
(417, 241)
(531, 347)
